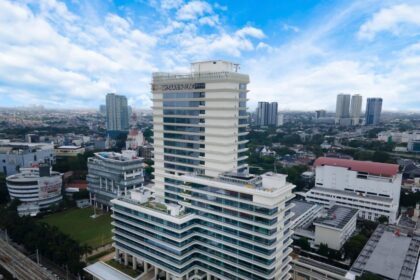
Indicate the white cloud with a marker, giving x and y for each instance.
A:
(395, 19)
(194, 10)
(250, 31)
(288, 27)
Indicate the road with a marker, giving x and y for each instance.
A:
(22, 267)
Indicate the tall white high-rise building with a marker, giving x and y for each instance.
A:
(206, 217)
(116, 112)
(199, 121)
(356, 109)
(342, 110)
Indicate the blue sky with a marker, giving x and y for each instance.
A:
(69, 54)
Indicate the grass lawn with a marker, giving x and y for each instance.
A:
(79, 225)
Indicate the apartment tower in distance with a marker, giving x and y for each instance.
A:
(206, 217)
(342, 109)
(373, 111)
(356, 109)
(267, 114)
(116, 113)
(348, 109)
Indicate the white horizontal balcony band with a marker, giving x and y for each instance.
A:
(203, 133)
(185, 187)
(215, 203)
(170, 254)
(200, 158)
(200, 141)
(221, 126)
(201, 116)
(195, 259)
(200, 107)
(205, 98)
(179, 231)
(253, 223)
(176, 274)
(153, 212)
(278, 246)
(200, 149)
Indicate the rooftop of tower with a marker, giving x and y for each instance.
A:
(204, 70)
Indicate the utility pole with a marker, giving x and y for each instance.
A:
(37, 256)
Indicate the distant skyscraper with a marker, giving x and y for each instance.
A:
(102, 109)
(272, 114)
(320, 114)
(116, 112)
(356, 109)
(373, 111)
(267, 113)
(342, 110)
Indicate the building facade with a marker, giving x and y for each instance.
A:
(342, 109)
(336, 227)
(267, 114)
(373, 111)
(116, 112)
(111, 175)
(36, 188)
(356, 109)
(16, 155)
(372, 187)
(206, 217)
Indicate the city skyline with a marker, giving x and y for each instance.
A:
(62, 54)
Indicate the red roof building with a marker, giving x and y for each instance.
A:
(370, 167)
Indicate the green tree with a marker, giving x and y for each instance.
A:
(323, 250)
(354, 246)
(383, 219)
(303, 243)
(4, 194)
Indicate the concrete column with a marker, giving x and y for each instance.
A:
(167, 276)
(156, 272)
(117, 254)
(125, 259)
(145, 266)
(208, 276)
(134, 263)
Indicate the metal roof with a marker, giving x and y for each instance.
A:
(337, 217)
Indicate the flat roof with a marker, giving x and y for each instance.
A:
(370, 167)
(300, 207)
(388, 256)
(103, 271)
(389, 253)
(337, 217)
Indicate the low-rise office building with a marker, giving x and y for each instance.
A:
(336, 227)
(36, 188)
(320, 225)
(16, 155)
(372, 187)
(113, 174)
